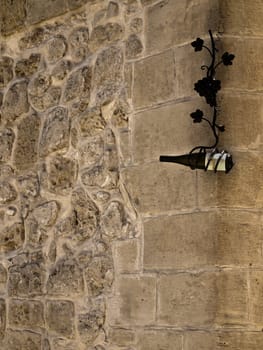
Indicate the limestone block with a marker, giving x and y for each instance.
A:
(78, 43)
(38, 10)
(6, 70)
(99, 275)
(245, 73)
(63, 344)
(135, 304)
(65, 278)
(103, 35)
(62, 174)
(157, 340)
(78, 84)
(238, 238)
(15, 101)
(22, 340)
(55, 132)
(56, 48)
(186, 300)
(26, 147)
(2, 318)
(121, 337)
(7, 193)
(3, 279)
(235, 111)
(60, 317)
(242, 188)
(219, 340)
(29, 185)
(188, 65)
(232, 298)
(154, 79)
(127, 255)
(12, 237)
(26, 313)
(180, 241)
(28, 66)
(160, 187)
(168, 130)
(14, 22)
(133, 46)
(108, 74)
(169, 24)
(241, 17)
(207, 189)
(72, 4)
(256, 289)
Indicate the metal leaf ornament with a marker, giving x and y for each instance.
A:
(198, 44)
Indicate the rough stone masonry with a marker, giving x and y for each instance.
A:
(101, 246)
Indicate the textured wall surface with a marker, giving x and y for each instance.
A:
(101, 246)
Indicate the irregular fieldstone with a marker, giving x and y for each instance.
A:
(136, 25)
(99, 275)
(26, 277)
(61, 70)
(86, 215)
(113, 9)
(55, 133)
(114, 219)
(65, 278)
(7, 137)
(18, 340)
(72, 4)
(39, 84)
(34, 38)
(108, 72)
(91, 122)
(133, 46)
(7, 193)
(2, 318)
(26, 313)
(37, 235)
(91, 323)
(6, 70)
(78, 84)
(50, 98)
(60, 317)
(63, 344)
(27, 67)
(56, 48)
(29, 185)
(3, 279)
(26, 148)
(12, 237)
(120, 114)
(15, 102)
(11, 23)
(1, 98)
(6, 172)
(105, 34)
(100, 176)
(91, 152)
(46, 345)
(52, 254)
(78, 42)
(46, 213)
(62, 173)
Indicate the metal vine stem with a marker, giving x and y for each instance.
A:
(208, 88)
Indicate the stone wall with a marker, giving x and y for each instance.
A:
(101, 246)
